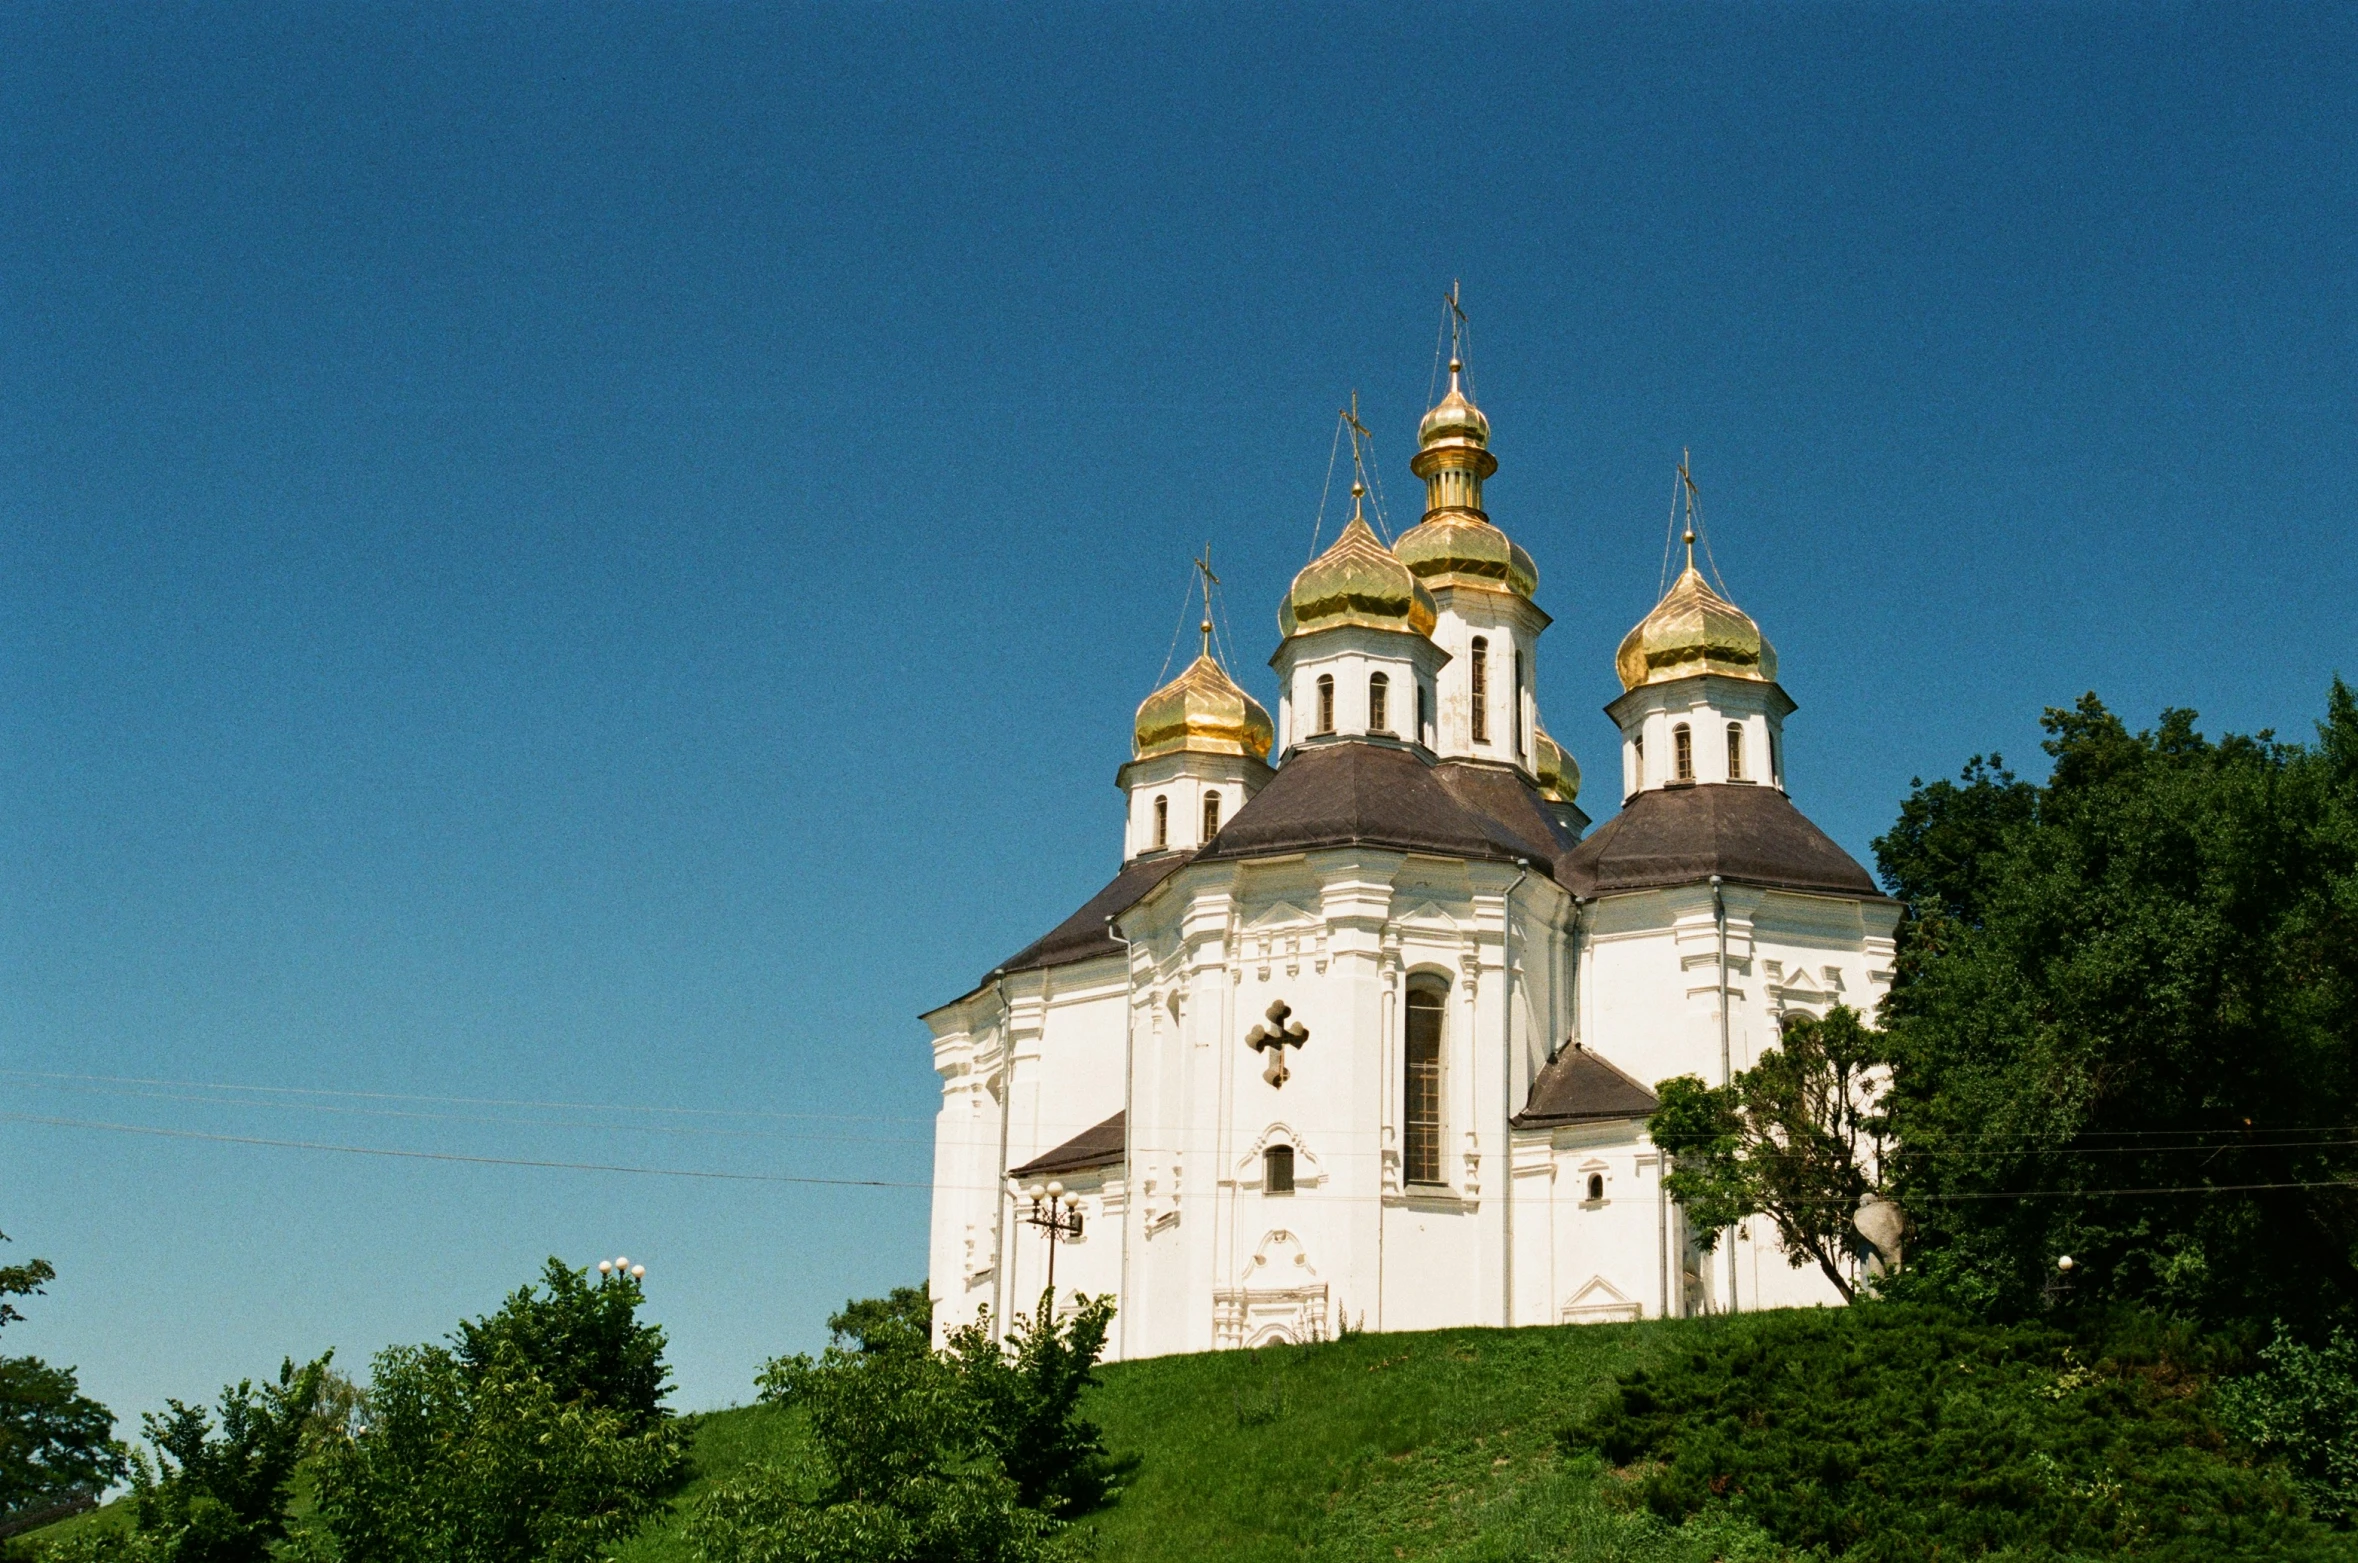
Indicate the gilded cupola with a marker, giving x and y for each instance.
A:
(1456, 544)
(1558, 772)
(1202, 711)
(1360, 582)
(1692, 630)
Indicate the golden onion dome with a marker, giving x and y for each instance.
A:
(1357, 581)
(1463, 548)
(1456, 544)
(1202, 710)
(1453, 418)
(1559, 773)
(1692, 630)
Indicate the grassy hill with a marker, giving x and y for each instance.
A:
(1436, 1446)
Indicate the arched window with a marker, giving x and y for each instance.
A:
(1519, 749)
(1682, 753)
(1420, 1125)
(1735, 751)
(1211, 815)
(1596, 1187)
(1379, 703)
(1277, 1170)
(1481, 678)
(1424, 713)
(1162, 822)
(1326, 703)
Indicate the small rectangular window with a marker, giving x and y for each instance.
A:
(1326, 703)
(1277, 1169)
(1735, 751)
(1211, 815)
(1379, 699)
(1519, 745)
(1480, 676)
(1682, 751)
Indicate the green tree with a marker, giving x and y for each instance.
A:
(2125, 1021)
(55, 1442)
(971, 1454)
(468, 1463)
(1793, 1138)
(536, 1437)
(216, 1494)
(1027, 1399)
(583, 1338)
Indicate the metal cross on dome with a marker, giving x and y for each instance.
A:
(1280, 1033)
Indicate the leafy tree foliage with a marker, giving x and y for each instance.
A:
(1889, 1434)
(1794, 1138)
(2303, 1407)
(212, 1494)
(536, 1437)
(1027, 1404)
(2125, 1021)
(582, 1338)
(971, 1454)
(461, 1463)
(55, 1442)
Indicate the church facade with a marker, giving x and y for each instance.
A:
(1362, 1033)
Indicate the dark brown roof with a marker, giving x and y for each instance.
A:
(1678, 835)
(1350, 793)
(1577, 1086)
(1083, 935)
(1098, 1147)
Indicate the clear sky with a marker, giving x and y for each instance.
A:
(603, 557)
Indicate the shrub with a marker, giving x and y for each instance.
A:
(1888, 1432)
(2303, 1406)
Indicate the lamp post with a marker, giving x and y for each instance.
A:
(622, 1269)
(1058, 1215)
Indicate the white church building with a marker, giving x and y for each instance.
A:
(1363, 1032)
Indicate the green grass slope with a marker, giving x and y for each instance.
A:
(1437, 1446)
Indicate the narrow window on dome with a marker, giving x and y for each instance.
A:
(1481, 677)
(1326, 703)
(1277, 1169)
(1420, 1127)
(1682, 752)
(1424, 713)
(1776, 761)
(1162, 822)
(1379, 701)
(1211, 815)
(1519, 745)
(1735, 751)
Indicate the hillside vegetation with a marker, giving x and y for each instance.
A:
(1467, 1445)
(1431, 1446)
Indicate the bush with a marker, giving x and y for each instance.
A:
(973, 1454)
(1888, 1432)
(537, 1437)
(2303, 1407)
(211, 1495)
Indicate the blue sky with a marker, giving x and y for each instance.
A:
(602, 557)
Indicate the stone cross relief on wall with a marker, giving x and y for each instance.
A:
(1274, 1038)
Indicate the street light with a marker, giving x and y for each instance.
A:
(1058, 1215)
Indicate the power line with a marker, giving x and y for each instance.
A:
(481, 1161)
(461, 1101)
